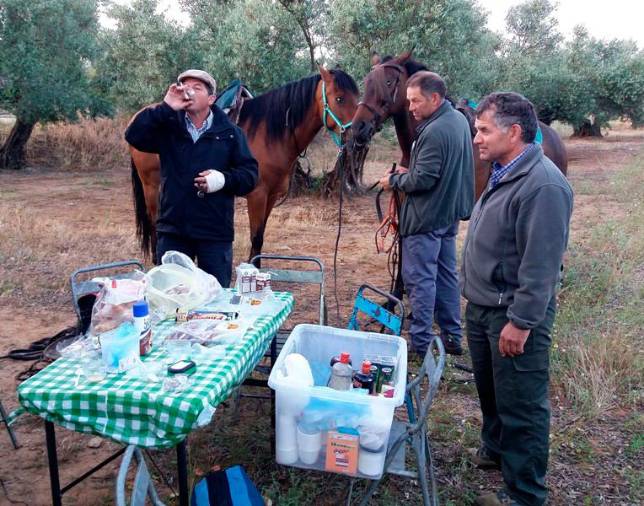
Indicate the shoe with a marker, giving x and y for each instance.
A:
(500, 498)
(482, 459)
(451, 345)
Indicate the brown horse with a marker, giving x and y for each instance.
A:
(279, 125)
(385, 96)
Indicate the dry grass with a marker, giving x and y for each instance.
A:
(89, 144)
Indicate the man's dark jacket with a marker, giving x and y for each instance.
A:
(516, 240)
(439, 186)
(223, 147)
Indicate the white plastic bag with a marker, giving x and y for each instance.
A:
(113, 305)
(179, 284)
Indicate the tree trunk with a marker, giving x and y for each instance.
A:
(587, 129)
(12, 154)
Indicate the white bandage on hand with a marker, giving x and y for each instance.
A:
(215, 181)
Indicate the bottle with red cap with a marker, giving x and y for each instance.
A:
(364, 379)
(341, 372)
(343, 357)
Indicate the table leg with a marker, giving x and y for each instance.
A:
(182, 467)
(52, 457)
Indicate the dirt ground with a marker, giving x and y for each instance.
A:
(86, 200)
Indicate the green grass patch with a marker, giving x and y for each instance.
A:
(598, 330)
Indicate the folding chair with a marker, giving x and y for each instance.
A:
(414, 434)
(142, 487)
(313, 276)
(390, 320)
(296, 277)
(84, 290)
(4, 419)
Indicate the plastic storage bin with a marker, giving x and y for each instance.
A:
(329, 430)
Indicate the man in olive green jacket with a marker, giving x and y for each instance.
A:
(512, 257)
(439, 191)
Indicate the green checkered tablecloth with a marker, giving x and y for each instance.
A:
(133, 411)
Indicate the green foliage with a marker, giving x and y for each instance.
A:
(532, 27)
(253, 40)
(143, 54)
(586, 82)
(447, 35)
(47, 48)
(614, 72)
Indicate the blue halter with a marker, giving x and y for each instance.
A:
(327, 111)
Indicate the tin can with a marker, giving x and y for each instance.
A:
(262, 281)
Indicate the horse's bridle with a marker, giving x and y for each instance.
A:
(378, 114)
(328, 112)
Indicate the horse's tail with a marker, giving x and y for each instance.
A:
(145, 229)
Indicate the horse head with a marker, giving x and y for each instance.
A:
(384, 96)
(337, 98)
(464, 106)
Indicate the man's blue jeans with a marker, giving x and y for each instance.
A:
(214, 257)
(431, 280)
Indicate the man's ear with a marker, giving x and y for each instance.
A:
(516, 133)
(211, 100)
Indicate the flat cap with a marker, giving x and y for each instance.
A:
(202, 75)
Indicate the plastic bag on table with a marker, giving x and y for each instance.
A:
(179, 284)
(114, 302)
(208, 332)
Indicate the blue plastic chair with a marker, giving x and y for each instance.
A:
(390, 320)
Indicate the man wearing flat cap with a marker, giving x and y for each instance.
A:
(205, 163)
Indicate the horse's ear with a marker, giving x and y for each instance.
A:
(403, 57)
(326, 75)
(375, 58)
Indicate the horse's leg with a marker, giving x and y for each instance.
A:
(257, 200)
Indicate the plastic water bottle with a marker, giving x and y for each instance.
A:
(341, 373)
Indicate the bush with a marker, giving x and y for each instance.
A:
(86, 145)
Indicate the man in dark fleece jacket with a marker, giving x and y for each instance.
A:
(439, 192)
(205, 163)
(511, 266)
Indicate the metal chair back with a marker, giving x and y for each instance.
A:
(391, 320)
(311, 276)
(142, 486)
(82, 287)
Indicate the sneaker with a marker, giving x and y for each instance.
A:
(500, 498)
(482, 459)
(451, 345)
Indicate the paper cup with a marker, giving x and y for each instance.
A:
(286, 439)
(308, 445)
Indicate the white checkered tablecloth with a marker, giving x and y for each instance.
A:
(133, 411)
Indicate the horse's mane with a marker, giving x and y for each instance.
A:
(411, 66)
(284, 109)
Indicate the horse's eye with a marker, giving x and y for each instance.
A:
(388, 83)
(339, 100)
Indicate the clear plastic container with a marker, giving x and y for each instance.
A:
(303, 412)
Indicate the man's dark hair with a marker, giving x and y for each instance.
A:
(428, 82)
(511, 109)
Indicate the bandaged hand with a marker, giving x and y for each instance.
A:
(210, 181)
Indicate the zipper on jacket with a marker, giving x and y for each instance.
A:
(500, 298)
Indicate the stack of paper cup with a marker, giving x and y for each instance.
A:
(309, 442)
(371, 463)
(286, 439)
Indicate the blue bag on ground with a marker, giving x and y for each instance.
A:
(230, 487)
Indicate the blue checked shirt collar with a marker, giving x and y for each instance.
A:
(498, 170)
(195, 132)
